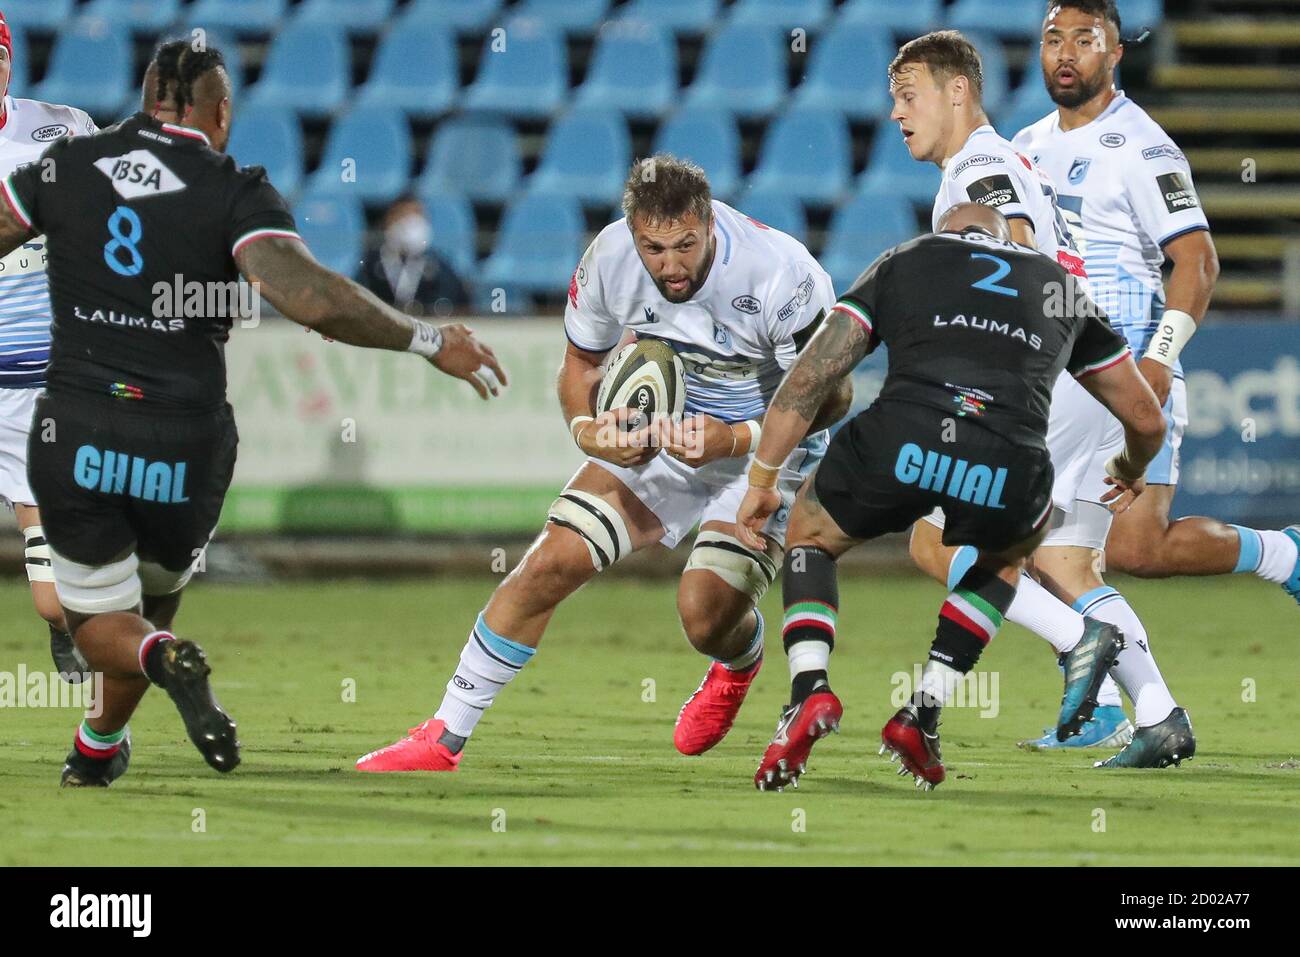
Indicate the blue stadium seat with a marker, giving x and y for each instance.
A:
(375, 146)
(709, 138)
(861, 230)
(141, 16)
(244, 17)
(910, 19)
(1008, 19)
(776, 209)
(355, 16)
(334, 229)
(89, 68)
(20, 64)
(805, 153)
(1029, 104)
(462, 16)
(587, 155)
(416, 70)
(454, 231)
(307, 69)
(473, 156)
(786, 14)
(891, 169)
(539, 243)
(1136, 14)
(997, 75)
(572, 16)
(528, 79)
(743, 70)
(848, 72)
(270, 137)
(680, 16)
(634, 69)
(41, 15)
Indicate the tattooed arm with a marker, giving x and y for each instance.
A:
(13, 233)
(817, 373)
(306, 292)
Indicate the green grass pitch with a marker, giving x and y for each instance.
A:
(572, 766)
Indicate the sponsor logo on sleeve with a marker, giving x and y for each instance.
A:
(993, 191)
(981, 160)
(48, 134)
(1079, 170)
(747, 304)
(1155, 152)
(802, 293)
(1177, 190)
(1113, 140)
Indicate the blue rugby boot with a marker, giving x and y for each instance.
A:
(1169, 742)
(1086, 665)
(1109, 728)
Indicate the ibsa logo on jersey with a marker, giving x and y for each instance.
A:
(47, 134)
(139, 173)
(1113, 140)
(1079, 170)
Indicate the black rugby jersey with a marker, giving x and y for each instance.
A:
(980, 328)
(142, 221)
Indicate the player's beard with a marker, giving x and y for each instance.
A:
(692, 286)
(1085, 88)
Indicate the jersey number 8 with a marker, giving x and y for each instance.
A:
(126, 241)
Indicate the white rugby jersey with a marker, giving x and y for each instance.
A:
(30, 126)
(735, 336)
(989, 171)
(1126, 190)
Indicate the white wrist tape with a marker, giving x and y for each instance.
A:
(755, 433)
(1112, 468)
(576, 422)
(1175, 328)
(426, 339)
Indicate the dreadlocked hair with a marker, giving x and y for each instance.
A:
(168, 58)
(194, 64)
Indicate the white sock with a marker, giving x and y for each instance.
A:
(1136, 670)
(1270, 555)
(1034, 607)
(487, 664)
(753, 651)
(808, 656)
(938, 681)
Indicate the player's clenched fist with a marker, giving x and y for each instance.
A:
(464, 357)
(758, 505)
(607, 437)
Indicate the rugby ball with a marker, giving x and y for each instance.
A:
(647, 376)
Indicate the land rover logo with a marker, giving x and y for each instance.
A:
(48, 133)
(746, 304)
(1113, 140)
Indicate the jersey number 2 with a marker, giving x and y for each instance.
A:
(990, 282)
(124, 241)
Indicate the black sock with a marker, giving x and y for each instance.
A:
(452, 742)
(811, 596)
(153, 661)
(805, 683)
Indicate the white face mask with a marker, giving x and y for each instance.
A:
(410, 235)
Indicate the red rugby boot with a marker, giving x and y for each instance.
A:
(418, 751)
(800, 727)
(708, 714)
(918, 750)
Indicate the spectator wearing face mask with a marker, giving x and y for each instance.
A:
(404, 270)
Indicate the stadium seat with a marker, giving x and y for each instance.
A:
(373, 145)
(334, 229)
(473, 156)
(539, 243)
(89, 68)
(633, 69)
(805, 153)
(809, 15)
(572, 16)
(20, 64)
(454, 231)
(416, 70)
(528, 78)
(910, 19)
(462, 16)
(743, 70)
(243, 17)
(709, 138)
(270, 137)
(1137, 14)
(848, 72)
(587, 155)
(776, 209)
(355, 16)
(307, 69)
(140, 16)
(680, 16)
(891, 169)
(1029, 104)
(997, 75)
(1008, 19)
(861, 230)
(41, 15)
